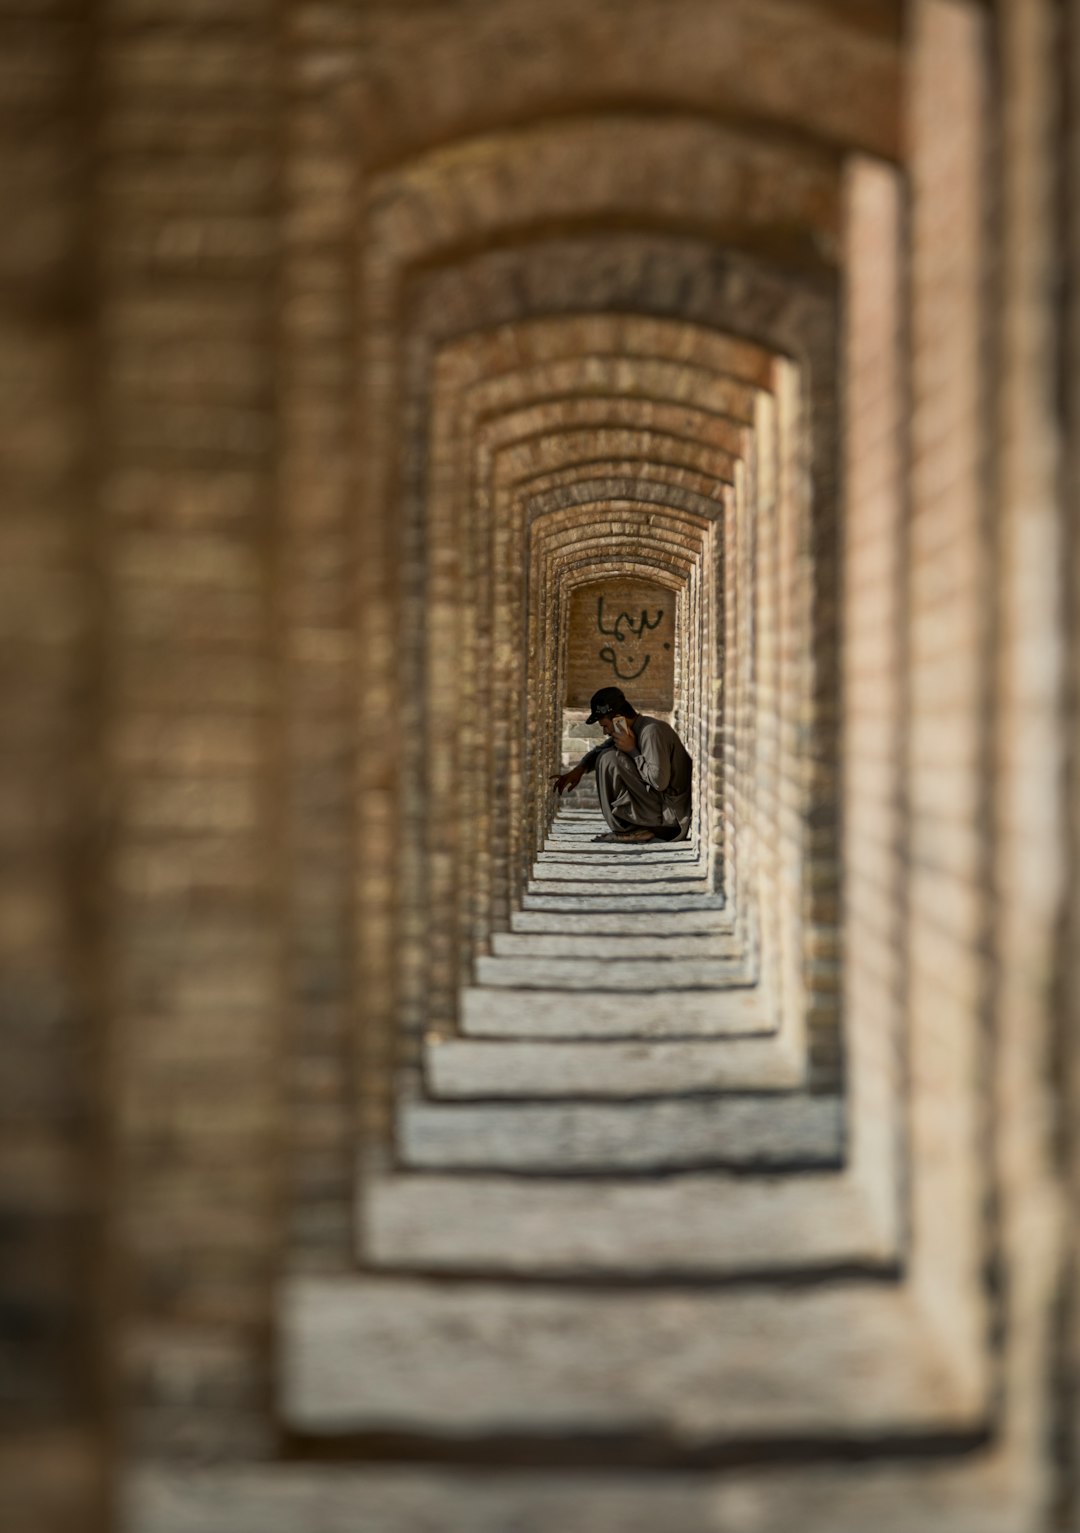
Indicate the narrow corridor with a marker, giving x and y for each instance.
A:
(382, 1152)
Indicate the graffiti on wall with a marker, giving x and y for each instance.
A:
(621, 630)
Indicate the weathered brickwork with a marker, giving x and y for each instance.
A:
(193, 877)
(321, 569)
(361, 368)
(1067, 330)
(52, 1468)
(870, 965)
(622, 634)
(447, 640)
(948, 656)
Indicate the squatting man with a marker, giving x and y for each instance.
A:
(642, 773)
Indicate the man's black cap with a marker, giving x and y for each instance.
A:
(607, 701)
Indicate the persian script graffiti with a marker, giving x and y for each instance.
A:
(624, 621)
(608, 654)
(623, 626)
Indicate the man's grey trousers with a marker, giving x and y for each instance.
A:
(628, 803)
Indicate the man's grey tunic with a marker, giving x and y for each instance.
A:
(646, 788)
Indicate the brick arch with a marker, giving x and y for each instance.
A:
(588, 538)
(509, 350)
(646, 514)
(665, 420)
(510, 691)
(704, 734)
(538, 291)
(516, 352)
(733, 879)
(503, 348)
(436, 310)
(711, 509)
(751, 308)
(565, 451)
(579, 531)
(742, 191)
(662, 568)
(788, 338)
(622, 517)
(529, 461)
(919, 1382)
(763, 66)
(420, 411)
(556, 448)
(648, 487)
(446, 298)
(739, 806)
(628, 374)
(654, 544)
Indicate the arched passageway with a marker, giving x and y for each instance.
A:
(387, 1152)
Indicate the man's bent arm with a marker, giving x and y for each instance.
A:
(653, 760)
(588, 761)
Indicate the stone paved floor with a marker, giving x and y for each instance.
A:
(617, 1106)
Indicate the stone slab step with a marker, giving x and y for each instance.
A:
(584, 828)
(630, 886)
(562, 863)
(598, 864)
(412, 1498)
(557, 1139)
(453, 1359)
(460, 1068)
(584, 839)
(591, 1013)
(619, 900)
(689, 1225)
(615, 868)
(615, 945)
(713, 918)
(566, 809)
(585, 845)
(597, 972)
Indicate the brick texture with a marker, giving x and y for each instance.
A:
(52, 1467)
(621, 634)
(375, 383)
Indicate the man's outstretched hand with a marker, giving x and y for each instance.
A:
(568, 781)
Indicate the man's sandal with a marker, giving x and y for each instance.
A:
(626, 835)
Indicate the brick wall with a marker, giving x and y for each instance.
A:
(949, 554)
(622, 633)
(52, 1470)
(331, 386)
(188, 547)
